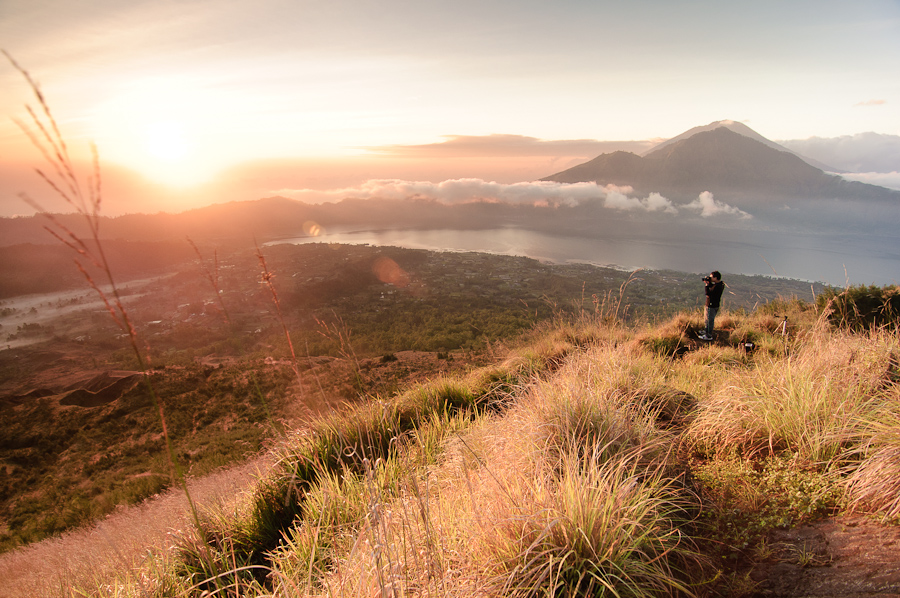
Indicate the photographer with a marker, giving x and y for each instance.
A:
(714, 288)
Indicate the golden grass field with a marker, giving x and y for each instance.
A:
(593, 458)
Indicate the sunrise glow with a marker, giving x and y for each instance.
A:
(182, 95)
(166, 141)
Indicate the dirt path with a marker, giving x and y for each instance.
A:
(846, 557)
(121, 542)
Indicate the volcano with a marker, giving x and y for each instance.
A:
(727, 159)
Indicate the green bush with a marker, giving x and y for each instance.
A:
(862, 307)
(747, 499)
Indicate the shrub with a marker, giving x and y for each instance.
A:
(746, 499)
(862, 307)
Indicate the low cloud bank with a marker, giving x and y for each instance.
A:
(537, 193)
(617, 199)
(456, 191)
(891, 180)
(863, 152)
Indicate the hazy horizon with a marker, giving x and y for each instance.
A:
(199, 102)
(516, 161)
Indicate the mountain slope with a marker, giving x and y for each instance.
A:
(746, 131)
(618, 168)
(642, 431)
(721, 161)
(731, 125)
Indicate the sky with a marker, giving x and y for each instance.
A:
(195, 101)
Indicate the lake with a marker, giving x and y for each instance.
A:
(832, 259)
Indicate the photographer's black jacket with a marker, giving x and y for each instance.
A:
(714, 294)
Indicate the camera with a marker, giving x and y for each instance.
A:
(707, 279)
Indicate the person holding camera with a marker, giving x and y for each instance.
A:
(714, 288)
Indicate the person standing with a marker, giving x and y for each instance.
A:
(714, 288)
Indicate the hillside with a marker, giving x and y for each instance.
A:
(588, 457)
(242, 223)
(80, 436)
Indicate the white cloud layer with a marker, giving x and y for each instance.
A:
(455, 191)
(707, 205)
(891, 180)
(537, 193)
(864, 152)
(617, 200)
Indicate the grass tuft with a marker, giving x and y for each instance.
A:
(873, 483)
(605, 527)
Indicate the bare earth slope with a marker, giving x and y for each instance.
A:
(847, 557)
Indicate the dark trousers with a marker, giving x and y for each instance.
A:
(710, 319)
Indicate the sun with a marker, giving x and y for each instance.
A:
(165, 152)
(166, 141)
(160, 128)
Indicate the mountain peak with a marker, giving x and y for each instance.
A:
(726, 158)
(741, 129)
(731, 125)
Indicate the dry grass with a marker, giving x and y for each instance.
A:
(562, 470)
(601, 396)
(873, 480)
(811, 402)
(83, 195)
(874, 484)
(558, 496)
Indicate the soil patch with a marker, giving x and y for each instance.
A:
(846, 557)
(101, 389)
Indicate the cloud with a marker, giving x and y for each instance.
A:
(654, 202)
(863, 152)
(498, 145)
(871, 103)
(454, 191)
(534, 193)
(891, 180)
(708, 206)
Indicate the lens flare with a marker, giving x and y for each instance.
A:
(389, 272)
(313, 229)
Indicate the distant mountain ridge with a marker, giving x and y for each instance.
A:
(729, 160)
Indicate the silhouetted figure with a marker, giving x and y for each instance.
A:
(714, 288)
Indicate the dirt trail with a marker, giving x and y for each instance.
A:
(846, 557)
(122, 541)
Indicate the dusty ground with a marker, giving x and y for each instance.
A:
(126, 540)
(846, 557)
